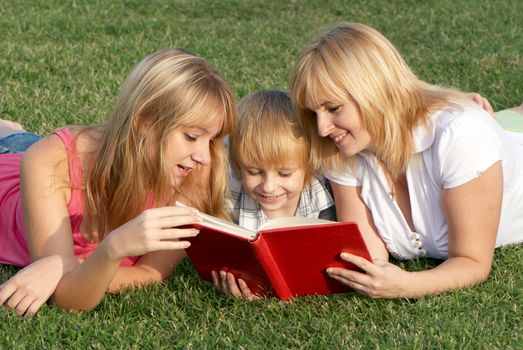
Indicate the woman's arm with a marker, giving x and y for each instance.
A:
(473, 213)
(46, 192)
(350, 207)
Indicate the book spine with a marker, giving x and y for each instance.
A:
(268, 263)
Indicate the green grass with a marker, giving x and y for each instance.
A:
(62, 64)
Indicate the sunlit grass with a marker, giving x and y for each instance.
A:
(62, 63)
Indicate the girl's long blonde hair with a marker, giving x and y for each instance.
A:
(167, 90)
(354, 61)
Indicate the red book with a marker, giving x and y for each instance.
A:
(287, 257)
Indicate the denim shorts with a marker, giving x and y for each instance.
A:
(17, 142)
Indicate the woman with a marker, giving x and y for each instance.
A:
(98, 202)
(422, 170)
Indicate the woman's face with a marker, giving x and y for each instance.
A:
(342, 122)
(187, 147)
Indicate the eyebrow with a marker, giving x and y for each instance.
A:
(323, 104)
(332, 103)
(288, 169)
(202, 129)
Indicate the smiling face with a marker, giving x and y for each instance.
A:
(188, 147)
(276, 189)
(342, 122)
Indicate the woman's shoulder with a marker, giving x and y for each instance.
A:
(454, 123)
(458, 117)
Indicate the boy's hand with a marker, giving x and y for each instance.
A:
(226, 283)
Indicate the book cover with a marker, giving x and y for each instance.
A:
(282, 261)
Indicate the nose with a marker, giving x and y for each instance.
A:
(269, 183)
(202, 154)
(324, 124)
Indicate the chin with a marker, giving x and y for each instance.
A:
(348, 151)
(176, 181)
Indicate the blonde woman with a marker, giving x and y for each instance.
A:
(97, 203)
(420, 168)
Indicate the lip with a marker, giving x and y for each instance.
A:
(269, 198)
(338, 139)
(183, 171)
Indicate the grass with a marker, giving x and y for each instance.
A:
(63, 63)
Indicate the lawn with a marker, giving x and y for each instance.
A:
(63, 63)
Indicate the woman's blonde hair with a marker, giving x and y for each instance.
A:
(268, 133)
(169, 89)
(354, 61)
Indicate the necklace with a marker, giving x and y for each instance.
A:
(392, 191)
(390, 182)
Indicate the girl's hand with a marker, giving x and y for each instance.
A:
(380, 280)
(32, 286)
(226, 283)
(153, 230)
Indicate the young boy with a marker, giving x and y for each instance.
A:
(271, 176)
(269, 156)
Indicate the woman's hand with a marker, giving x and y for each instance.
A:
(154, 230)
(226, 283)
(32, 286)
(380, 280)
(481, 101)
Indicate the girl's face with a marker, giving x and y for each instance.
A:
(187, 147)
(276, 189)
(341, 121)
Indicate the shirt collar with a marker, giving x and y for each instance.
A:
(313, 199)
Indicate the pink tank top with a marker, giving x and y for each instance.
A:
(13, 246)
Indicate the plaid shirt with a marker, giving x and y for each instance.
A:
(316, 201)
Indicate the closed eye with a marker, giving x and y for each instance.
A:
(334, 109)
(190, 137)
(253, 172)
(286, 172)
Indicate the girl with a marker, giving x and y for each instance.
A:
(96, 203)
(422, 170)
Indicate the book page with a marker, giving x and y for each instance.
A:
(292, 221)
(223, 225)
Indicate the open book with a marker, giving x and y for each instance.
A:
(287, 257)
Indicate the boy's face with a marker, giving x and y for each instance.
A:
(276, 189)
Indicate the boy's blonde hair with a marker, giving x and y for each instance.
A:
(353, 61)
(268, 133)
(167, 90)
